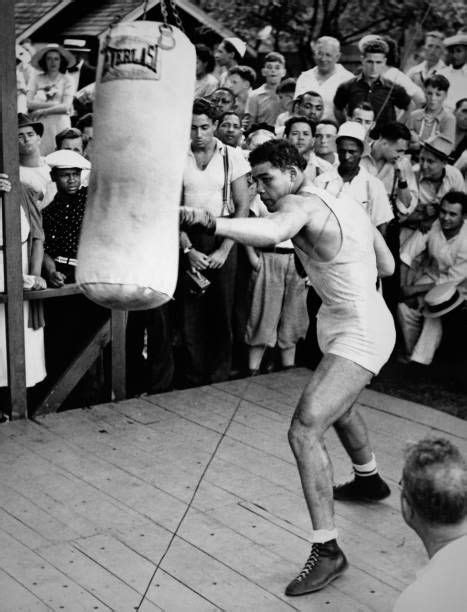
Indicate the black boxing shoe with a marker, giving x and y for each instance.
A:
(362, 488)
(325, 563)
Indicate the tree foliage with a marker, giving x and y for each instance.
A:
(348, 20)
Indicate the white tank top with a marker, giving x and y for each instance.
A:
(351, 275)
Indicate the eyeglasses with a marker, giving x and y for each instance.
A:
(221, 100)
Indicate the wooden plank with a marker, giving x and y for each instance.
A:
(75, 371)
(136, 570)
(114, 593)
(17, 597)
(411, 411)
(118, 320)
(50, 292)
(11, 215)
(44, 581)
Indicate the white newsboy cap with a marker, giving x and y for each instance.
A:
(67, 159)
(352, 129)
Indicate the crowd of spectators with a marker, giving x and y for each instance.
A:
(394, 141)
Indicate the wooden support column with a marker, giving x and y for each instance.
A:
(11, 213)
(118, 347)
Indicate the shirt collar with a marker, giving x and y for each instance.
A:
(361, 77)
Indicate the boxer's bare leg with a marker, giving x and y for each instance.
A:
(335, 385)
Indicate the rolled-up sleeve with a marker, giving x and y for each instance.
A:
(416, 244)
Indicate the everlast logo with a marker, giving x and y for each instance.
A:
(131, 58)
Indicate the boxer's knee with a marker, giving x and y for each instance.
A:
(307, 427)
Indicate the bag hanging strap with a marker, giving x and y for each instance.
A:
(226, 204)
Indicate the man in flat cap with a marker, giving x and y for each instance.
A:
(71, 320)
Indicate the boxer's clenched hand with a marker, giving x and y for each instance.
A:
(197, 218)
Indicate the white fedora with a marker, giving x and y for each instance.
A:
(441, 299)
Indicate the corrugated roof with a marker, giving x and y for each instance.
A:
(100, 16)
(30, 12)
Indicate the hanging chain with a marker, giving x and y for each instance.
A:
(175, 13)
(165, 4)
(165, 12)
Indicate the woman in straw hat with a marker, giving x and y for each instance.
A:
(50, 96)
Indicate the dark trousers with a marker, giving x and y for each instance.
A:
(155, 373)
(70, 323)
(206, 321)
(391, 284)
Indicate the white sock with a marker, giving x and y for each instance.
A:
(367, 469)
(320, 536)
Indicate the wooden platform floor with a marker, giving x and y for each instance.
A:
(90, 498)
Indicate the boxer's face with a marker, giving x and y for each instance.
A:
(272, 183)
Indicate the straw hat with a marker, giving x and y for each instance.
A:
(440, 146)
(441, 299)
(69, 57)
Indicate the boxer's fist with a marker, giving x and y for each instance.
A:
(197, 218)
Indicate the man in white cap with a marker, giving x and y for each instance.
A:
(326, 76)
(444, 248)
(63, 217)
(351, 179)
(70, 320)
(456, 72)
(228, 54)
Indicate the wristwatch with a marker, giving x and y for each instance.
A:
(187, 249)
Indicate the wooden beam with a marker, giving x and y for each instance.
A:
(75, 372)
(45, 294)
(118, 376)
(9, 163)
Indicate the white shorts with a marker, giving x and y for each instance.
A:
(363, 332)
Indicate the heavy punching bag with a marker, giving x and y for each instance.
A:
(128, 252)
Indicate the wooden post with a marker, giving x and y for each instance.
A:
(11, 213)
(118, 349)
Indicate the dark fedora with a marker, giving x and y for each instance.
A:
(26, 121)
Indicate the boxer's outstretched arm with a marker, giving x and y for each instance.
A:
(263, 232)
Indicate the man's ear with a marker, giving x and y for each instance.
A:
(293, 172)
(406, 509)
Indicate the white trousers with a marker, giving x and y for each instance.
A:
(422, 335)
